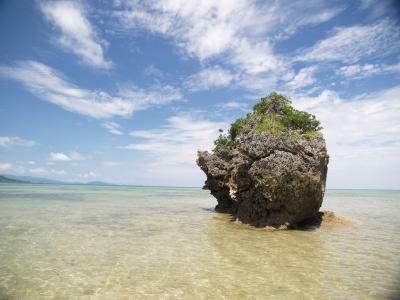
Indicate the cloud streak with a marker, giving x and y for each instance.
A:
(303, 78)
(208, 78)
(366, 70)
(238, 33)
(15, 141)
(51, 86)
(353, 43)
(173, 148)
(113, 128)
(5, 167)
(77, 34)
(60, 156)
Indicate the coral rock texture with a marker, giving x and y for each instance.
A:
(270, 169)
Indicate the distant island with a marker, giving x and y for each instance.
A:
(4, 179)
(9, 178)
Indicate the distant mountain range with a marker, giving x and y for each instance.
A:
(4, 179)
(9, 178)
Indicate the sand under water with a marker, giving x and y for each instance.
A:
(86, 242)
(324, 219)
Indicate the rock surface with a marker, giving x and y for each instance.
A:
(268, 179)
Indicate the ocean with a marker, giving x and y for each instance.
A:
(119, 242)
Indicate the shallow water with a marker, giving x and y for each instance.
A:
(85, 242)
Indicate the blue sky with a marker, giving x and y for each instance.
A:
(128, 91)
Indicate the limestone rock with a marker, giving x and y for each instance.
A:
(264, 177)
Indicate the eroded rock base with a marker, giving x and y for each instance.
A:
(324, 219)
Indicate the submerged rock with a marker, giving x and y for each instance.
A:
(270, 169)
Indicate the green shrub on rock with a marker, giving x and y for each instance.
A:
(274, 115)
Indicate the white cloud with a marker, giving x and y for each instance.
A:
(30, 167)
(143, 99)
(113, 128)
(38, 170)
(208, 78)
(362, 135)
(173, 149)
(5, 166)
(232, 105)
(323, 16)
(49, 85)
(367, 70)
(88, 175)
(59, 156)
(77, 156)
(237, 32)
(298, 14)
(255, 58)
(10, 141)
(350, 44)
(303, 78)
(59, 172)
(237, 37)
(202, 29)
(153, 71)
(77, 34)
(183, 135)
(72, 156)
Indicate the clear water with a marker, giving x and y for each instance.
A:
(84, 242)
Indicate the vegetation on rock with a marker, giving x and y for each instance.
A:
(273, 115)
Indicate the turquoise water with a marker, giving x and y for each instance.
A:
(85, 242)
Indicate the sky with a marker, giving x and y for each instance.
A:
(127, 91)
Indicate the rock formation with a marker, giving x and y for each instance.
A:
(270, 168)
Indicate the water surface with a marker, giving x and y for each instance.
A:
(86, 242)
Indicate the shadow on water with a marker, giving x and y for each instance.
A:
(322, 219)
